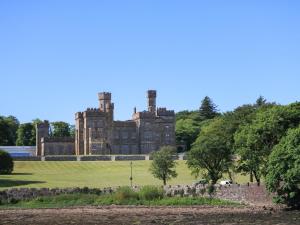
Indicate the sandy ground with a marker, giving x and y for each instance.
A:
(150, 215)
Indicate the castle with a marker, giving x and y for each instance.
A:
(96, 132)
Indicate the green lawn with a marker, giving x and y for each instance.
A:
(91, 174)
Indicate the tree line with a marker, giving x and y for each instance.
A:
(12, 132)
(260, 139)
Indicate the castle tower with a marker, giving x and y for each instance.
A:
(151, 95)
(105, 104)
(42, 130)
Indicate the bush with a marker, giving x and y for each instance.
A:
(6, 163)
(125, 194)
(151, 192)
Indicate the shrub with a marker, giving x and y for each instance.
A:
(6, 163)
(151, 192)
(125, 193)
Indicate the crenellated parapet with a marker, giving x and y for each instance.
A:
(164, 112)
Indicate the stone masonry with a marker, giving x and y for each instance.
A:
(96, 132)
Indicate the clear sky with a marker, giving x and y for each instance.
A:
(55, 56)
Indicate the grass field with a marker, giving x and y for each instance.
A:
(90, 174)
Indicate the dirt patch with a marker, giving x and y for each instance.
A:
(151, 215)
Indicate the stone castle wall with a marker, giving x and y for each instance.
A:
(96, 132)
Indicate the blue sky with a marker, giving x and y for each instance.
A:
(55, 56)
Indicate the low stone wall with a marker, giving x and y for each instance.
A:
(17, 194)
(87, 158)
(129, 157)
(250, 194)
(27, 158)
(95, 158)
(61, 158)
(175, 157)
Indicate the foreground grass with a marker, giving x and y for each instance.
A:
(71, 200)
(91, 174)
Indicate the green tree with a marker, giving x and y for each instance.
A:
(26, 135)
(186, 132)
(208, 109)
(8, 130)
(60, 129)
(211, 154)
(283, 172)
(254, 142)
(6, 163)
(163, 164)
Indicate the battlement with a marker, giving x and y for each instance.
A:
(144, 115)
(164, 112)
(104, 96)
(93, 112)
(78, 115)
(151, 93)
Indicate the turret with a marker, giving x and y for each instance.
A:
(105, 104)
(151, 95)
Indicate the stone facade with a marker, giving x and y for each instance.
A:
(98, 133)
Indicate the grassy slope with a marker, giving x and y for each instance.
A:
(91, 174)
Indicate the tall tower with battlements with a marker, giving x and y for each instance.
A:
(151, 95)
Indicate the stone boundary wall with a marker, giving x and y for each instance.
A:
(88, 158)
(28, 158)
(60, 158)
(16, 194)
(251, 194)
(95, 158)
(129, 157)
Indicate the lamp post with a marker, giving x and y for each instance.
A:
(130, 174)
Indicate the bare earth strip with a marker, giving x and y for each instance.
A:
(150, 215)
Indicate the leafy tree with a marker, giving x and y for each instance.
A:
(211, 154)
(283, 172)
(60, 129)
(208, 109)
(6, 163)
(254, 142)
(25, 135)
(163, 164)
(72, 131)
(8, 129)
(186, 131)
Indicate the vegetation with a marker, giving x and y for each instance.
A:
(211, 154)
(6, 163)
(283, 172)
(255, 141)
(122, 196)
(163, 164)
(60, 129)
(207, 110)
(8, 130)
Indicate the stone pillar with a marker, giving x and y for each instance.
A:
(42, 130)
